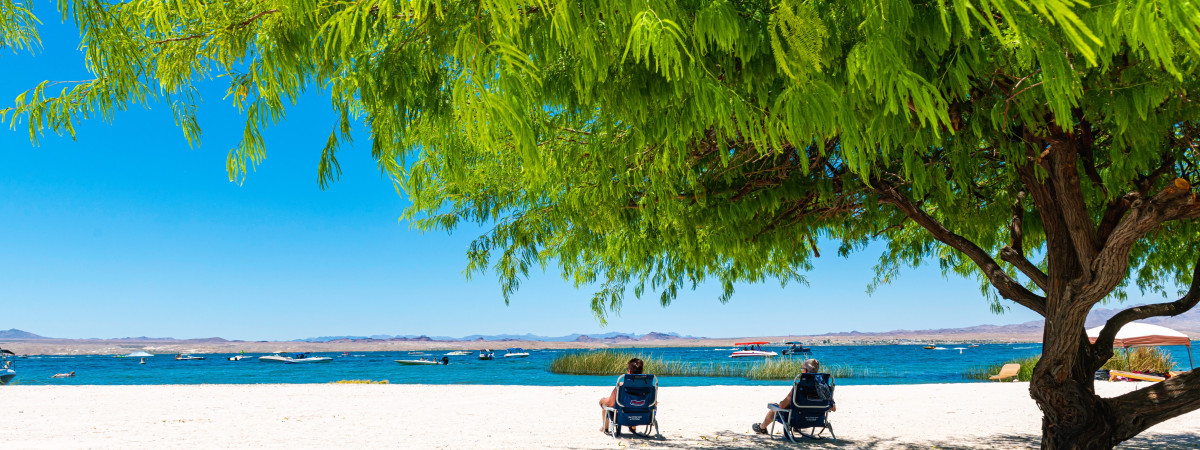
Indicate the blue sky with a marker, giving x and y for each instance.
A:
(127, 231)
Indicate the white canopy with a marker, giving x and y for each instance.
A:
(1136, 334)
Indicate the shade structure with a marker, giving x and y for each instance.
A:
(1136, 334)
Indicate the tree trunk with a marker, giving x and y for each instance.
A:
(1073, 416)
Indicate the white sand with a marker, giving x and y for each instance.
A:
(976, 415)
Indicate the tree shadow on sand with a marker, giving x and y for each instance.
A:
(735, 440)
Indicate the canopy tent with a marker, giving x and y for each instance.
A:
(1135, 334)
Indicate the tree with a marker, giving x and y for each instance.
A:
(654, 145)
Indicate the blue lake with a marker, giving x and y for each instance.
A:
(886, 364)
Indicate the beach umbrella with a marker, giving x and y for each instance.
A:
(1136, 334)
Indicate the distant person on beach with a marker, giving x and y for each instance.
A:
(810, 366)
(634, 367)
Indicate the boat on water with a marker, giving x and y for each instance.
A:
(299, 358)
(457, 353)
(928, 347)
(486, 355)
(752, 350)
(972, 345)
(239, 357)
(186, 357)
(797, 348)
(7, 373)
(516, 352)
(424, 362)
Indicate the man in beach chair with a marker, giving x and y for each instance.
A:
(806, 406)
(633, 403)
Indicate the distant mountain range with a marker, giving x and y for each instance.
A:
(18, 334)
(604, 337)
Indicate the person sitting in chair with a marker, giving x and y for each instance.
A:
(634, 367)
(810, 366)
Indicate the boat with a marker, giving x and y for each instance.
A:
(457, 353)
(798, 348)
(183, 357)
(752, 350)
(928, 347)
(299, 358)
(516, 352)
(972, 345)
(239, 357)
(423, 361)
(486, 355)
(7, 373)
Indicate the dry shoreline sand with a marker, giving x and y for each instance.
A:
(970, 415)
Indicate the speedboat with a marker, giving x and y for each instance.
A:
(183, 357)
(797, 349)
(457, 353)
(6, 371)
(299, 358)
(238, 357)
(417, 362)
(486, 355)
(928, 347)
(516, 352)
(752, 350)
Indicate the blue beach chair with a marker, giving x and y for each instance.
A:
(636, 405)
(812, 397)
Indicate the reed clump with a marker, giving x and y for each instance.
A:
(607, 362)
(360, 382)
(1141, 359)
(985, 372)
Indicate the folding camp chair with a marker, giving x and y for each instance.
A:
(636, 405)
(812, 397)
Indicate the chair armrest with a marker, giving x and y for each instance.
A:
(775, 407)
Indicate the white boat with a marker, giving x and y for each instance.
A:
(457, 353)
(418, 362)
(7, 373)
(516, 352)
(486, 355)
(183, 357)
(239, 357)
(752, 350)
(301, 358)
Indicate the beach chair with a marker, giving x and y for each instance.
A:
(812, 398)
(1007, 371)
(636, 405)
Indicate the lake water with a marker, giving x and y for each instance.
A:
(887, 364)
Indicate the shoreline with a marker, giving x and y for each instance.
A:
(977, 415)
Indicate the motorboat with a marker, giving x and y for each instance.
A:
(797, 348)
(239, 357)
(928, 347)
(299, 358)
(486, 355)
(457, 353)
(516, 352)
(183, 357)
(752, 350)
(424, 362)
(7, 373)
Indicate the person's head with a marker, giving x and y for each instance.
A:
(812, 366)
(635, 366)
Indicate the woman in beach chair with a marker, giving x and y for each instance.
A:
(805, 405)
(633, 402)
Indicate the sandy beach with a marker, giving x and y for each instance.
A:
(975, 415)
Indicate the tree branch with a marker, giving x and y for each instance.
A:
(1015, 253)
(1007, 287)
(1064, 158)
(1109, 332)
(1111, 264)
(1149, 406)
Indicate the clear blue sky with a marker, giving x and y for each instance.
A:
(127, 231)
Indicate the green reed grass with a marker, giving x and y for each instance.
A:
(607, 362)
(1143, 359)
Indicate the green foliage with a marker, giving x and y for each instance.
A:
(17, 27)
(984, 372)
(607, 362)
(656, 145)
(1141, 359)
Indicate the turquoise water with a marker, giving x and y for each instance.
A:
(887, 364)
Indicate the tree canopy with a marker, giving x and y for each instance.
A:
(651, 145)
